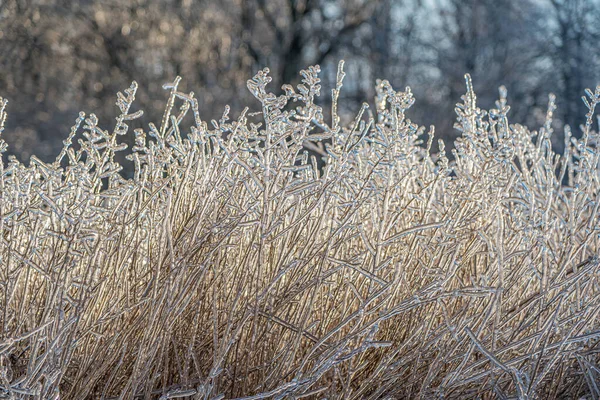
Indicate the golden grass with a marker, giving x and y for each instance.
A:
(234, 265)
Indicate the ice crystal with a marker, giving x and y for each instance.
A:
(272, 254)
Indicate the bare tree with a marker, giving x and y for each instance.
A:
(576, 41)
(302, 32)
(61, 56)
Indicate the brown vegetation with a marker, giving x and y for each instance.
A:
(234, 264)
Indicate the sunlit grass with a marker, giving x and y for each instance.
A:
(234, 264)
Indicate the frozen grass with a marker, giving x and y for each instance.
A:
(233, 266)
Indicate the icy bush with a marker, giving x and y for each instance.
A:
(235, 264)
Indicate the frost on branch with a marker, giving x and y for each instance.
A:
(281, 253)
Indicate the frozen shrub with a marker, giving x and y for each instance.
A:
(233, 264)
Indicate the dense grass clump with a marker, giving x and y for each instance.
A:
(235, 264)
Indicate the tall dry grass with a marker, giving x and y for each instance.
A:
(233, 265)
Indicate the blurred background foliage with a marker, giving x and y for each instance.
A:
(63, 56)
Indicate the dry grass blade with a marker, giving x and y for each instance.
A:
(278, 256)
